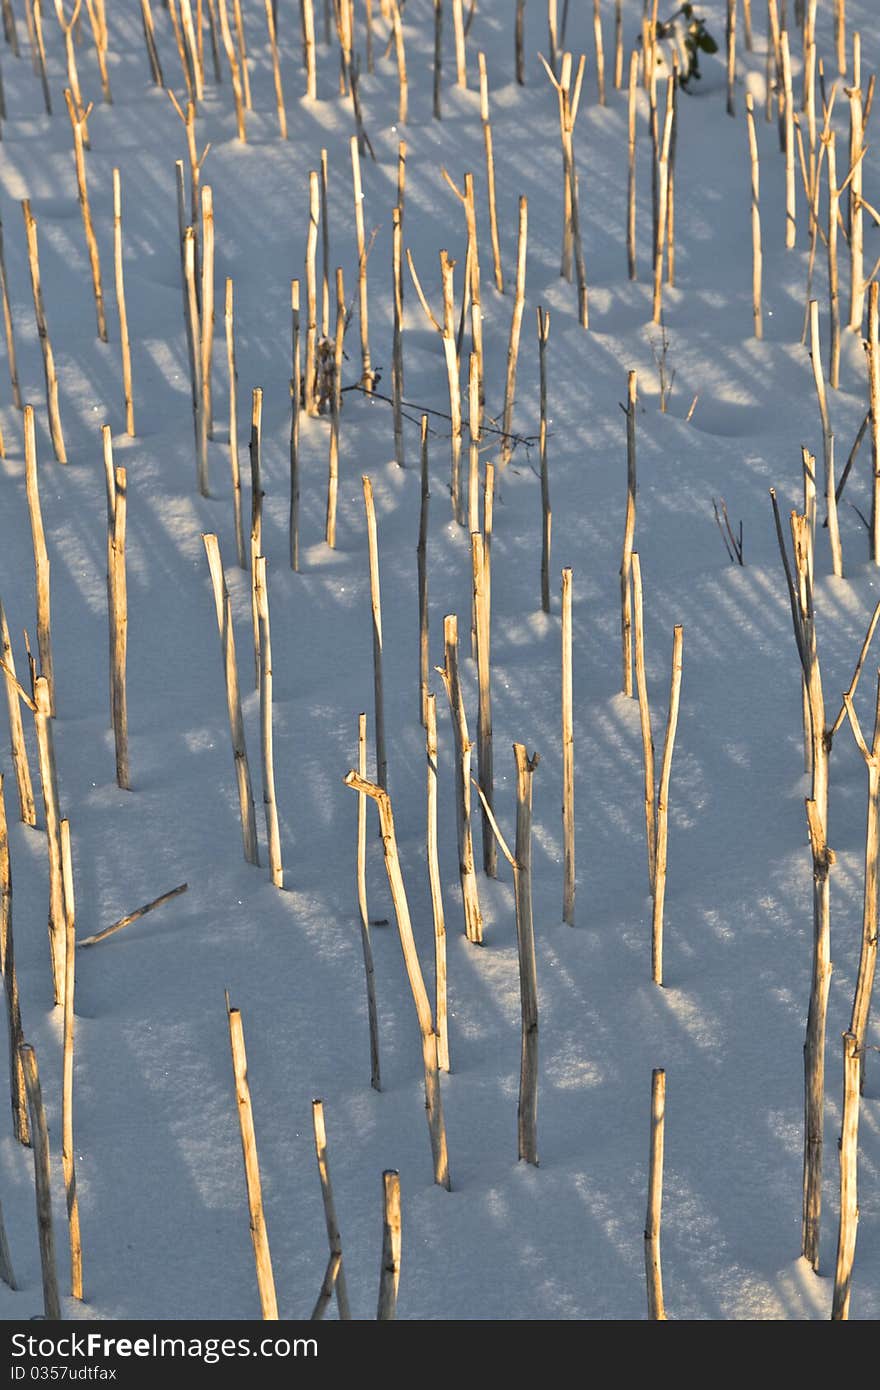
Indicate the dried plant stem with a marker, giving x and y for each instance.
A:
(471, 297)
(135, 916)
(17, 1092)
(856, 220)
(49, 780)
(552, 35)
(335, 408)
(242, 53)
(473, 918)
(120, 305)
(490, 174)
(7, 1273)
(68, 1157)
(309, 397)
(295, 407)
(484, 707)
(401, 176)
(389, 1271)
(849, 1162)
(150, 41)
(194, 334)
(41, 556)
(757, 264)
(663, 202)
(833, 279)
(629, 531)
(814, 1044)
(366, 942)
(234, 68)
(308, 23)
(7, 324)
(207, 312)
(256, 547)
(334, 1239)
(447, 334)
(654, 126)
(325, 244)
(653, 1273)
(400, 54)
(460, 49)
(546, 515)
(873, 358)
(568, 823)
(731, 56)
(363, 304)
(447, 267)
(474, 437)
(182, 50)
(800, 590)
(774, 70)
(631, 169)
(214, 26)
(670, 196)
(571, 239)
(276, 70)
(194, 49)
(663, 811)
(519, 300)
(43, 334)
(422, 564)
(262, 1257)
(600, 51)
(40, 1140)
(644, 719)
(519, 44)
(827, 440)
(790, 207)
(440, 1011)
(223, 605)
(747, 25)
(868, 953)
(35, 9)
(840, 35)
(273, 834)
(376, 607)
(521, 863)
(69, 28)
(26, 809)
(397, 386)
(433, 1100)
(10, 33)
(235, 469)
(438, 57)
(77, 122)
(117, 596)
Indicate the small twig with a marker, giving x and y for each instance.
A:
(733, 544)
(527, 439)
(20, 690)
(851, 460)
(133, 916)
(493, 822)
(850, 694)
(862, 518)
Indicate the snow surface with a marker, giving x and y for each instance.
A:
(161, 1184)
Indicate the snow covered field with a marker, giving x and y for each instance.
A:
(159, 1164)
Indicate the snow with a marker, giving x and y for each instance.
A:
(159, 1169)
